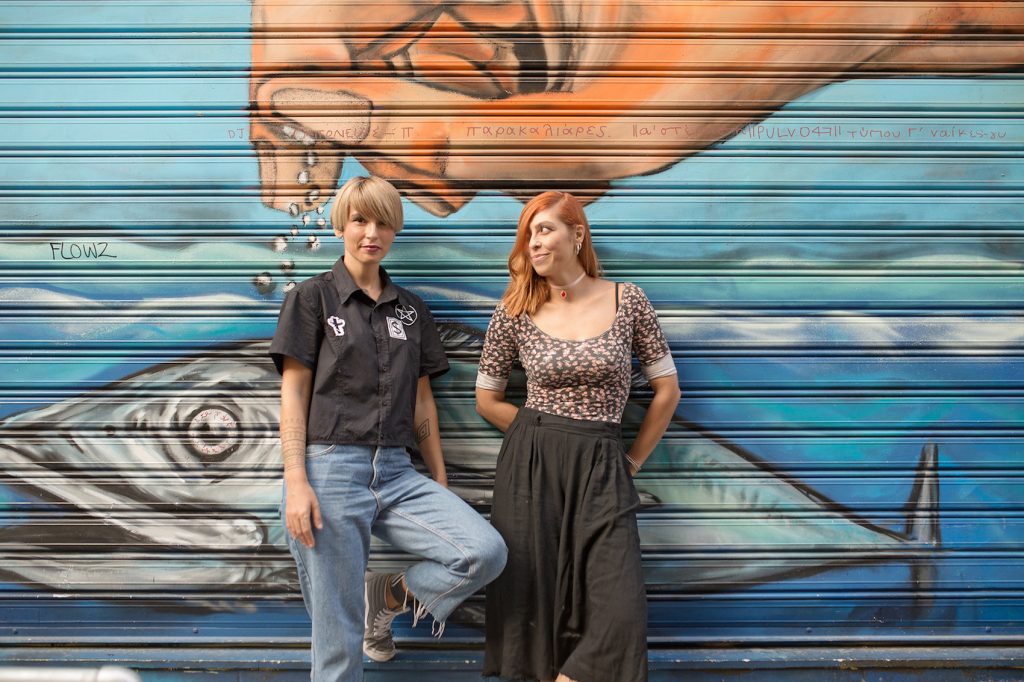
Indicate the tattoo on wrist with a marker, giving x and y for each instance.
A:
(293, 443)
(423, 431)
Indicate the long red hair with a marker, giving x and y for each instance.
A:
(527, 291)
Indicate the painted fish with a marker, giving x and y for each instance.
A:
(170, 478)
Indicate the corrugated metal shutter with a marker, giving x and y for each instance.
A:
(822, 200)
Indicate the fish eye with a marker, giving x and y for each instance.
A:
(212, 434)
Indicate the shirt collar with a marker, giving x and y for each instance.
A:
(347, 286)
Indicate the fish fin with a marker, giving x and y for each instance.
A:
(923, 506)
(922, 527)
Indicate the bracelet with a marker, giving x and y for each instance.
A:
(633, 463)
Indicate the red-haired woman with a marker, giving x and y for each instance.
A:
(570, 604)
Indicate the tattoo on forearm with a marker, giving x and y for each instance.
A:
(293, 443)
(423, 431)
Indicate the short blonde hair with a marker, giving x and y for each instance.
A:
(373, 196)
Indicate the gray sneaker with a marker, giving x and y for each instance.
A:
(378, 643)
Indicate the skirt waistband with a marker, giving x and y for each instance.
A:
(534, 417)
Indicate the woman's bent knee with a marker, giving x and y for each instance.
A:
(490, 557)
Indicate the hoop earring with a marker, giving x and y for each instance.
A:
(579, 247)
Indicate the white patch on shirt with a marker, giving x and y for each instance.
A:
(396, 329)
(337, 325)
(406, 313)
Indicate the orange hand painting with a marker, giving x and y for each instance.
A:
(446, 99)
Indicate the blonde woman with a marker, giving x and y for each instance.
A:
(356, 353)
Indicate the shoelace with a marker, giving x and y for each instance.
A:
(382, 622)
(383, 618)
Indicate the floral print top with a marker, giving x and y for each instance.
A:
(587, 379)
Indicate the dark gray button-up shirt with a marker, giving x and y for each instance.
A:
(367, 357)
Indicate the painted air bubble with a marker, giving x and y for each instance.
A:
(303, 178)
(264, 283)
(293, 210)
(313, 243)
(279, 243)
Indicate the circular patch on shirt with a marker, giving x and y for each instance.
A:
(406, 313)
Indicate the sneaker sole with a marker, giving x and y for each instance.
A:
(378, 657)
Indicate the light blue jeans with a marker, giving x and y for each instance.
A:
(362, 490)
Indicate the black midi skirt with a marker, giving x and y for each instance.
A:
(571, 598)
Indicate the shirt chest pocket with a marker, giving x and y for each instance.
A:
(353, 353)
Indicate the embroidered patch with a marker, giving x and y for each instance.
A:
(406, 313)
(396, 329)
(337, 325)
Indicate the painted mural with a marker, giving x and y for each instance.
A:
(824, 202)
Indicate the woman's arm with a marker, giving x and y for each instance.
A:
(659, 414)
(492, 406)
(428, 434)
(300, 500)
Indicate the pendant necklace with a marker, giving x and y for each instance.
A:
(562, 290)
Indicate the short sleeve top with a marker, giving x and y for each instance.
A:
(587, 379)
(367, 357)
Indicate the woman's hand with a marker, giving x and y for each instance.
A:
(656, 420)
(300, 500)
(300, 504)
(430, 95)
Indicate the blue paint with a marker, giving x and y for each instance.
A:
(733, 205)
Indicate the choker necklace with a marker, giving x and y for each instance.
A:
(562, 290)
